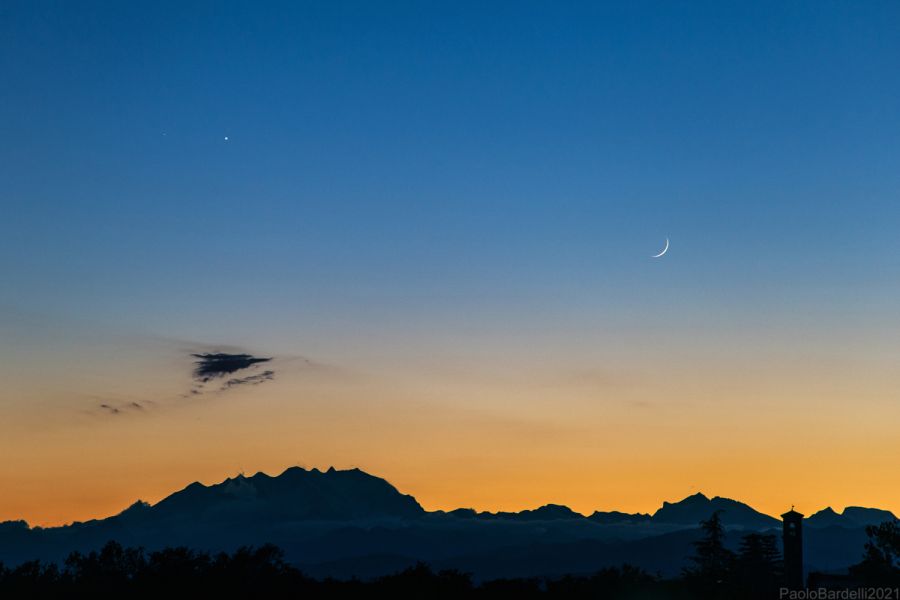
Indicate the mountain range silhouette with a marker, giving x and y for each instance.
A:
(346, 523)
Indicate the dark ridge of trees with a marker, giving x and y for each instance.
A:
(623, 582)
(753, 572)
(119, 572)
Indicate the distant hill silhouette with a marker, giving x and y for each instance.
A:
(548, 512)
(694, 509)
(852, 517)
(617, 518)
(295, 494)
(349, 523)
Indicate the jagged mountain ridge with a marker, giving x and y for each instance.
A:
(301, 494)
(698, 507)
(852, 516)
(347, 519)
(295, 494)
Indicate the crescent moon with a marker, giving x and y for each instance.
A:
(664, 250)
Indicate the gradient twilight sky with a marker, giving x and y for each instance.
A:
(438, 218)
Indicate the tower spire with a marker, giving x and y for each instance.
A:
(793, 548)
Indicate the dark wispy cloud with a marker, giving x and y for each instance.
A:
(210, 367)
(211, 370)
(118, 408)
(250, 379)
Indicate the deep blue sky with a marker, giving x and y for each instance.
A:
(395, 162)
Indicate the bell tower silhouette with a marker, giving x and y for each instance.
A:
(792, 532)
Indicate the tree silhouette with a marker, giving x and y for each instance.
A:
(607, 583)
(108, 571)
(420, 581)
(711, 575)
(520, 589)
(881, 560)
(759, 566)
(28, 577)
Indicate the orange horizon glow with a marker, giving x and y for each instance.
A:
(514, 495)
(460, 431)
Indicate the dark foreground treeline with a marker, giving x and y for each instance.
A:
(753, 572)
